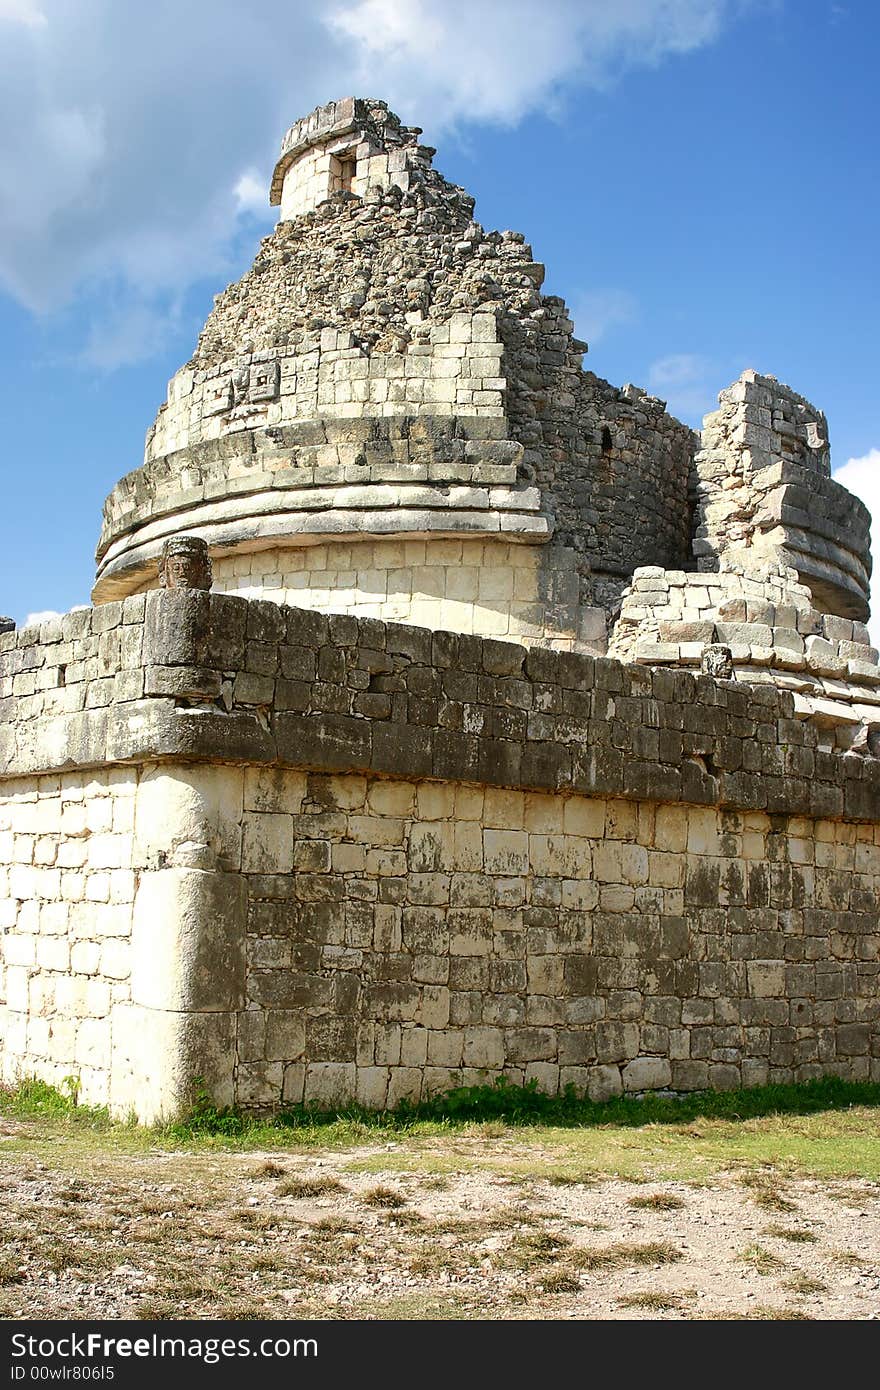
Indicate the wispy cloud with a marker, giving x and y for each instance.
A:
(23, 12)
(597, 312)
(128, 160)
(43, 616)
(251, 193)
(498, 59)
(687, 382)
(862, 476)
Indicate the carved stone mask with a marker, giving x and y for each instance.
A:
(718, 662)
(185, 564)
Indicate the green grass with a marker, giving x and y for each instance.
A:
(827, 1128)
(34, 1100)
(526, 1105)
(763, 1261)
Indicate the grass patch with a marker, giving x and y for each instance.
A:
(427, 1264)
(381, 1196)
(656, 1201)
(827, 1128)
(334, 1226)
(758, 1314)
(762, 1261)
(655, 1302)
(9, 1273)
(156, 1310)
(805, 1284)
(525, 1105)
(560, 1282)
(270, 1169)
(301, 1188)
(625, 1254)
(765, 1192)
(495, 1108)
(795, 1234)
(403, 1217)
(850, 1258)
(543, 1244)
(414, 1308)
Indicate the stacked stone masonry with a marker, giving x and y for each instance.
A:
(487, 587)
(764, 490)
(393, 305)
(378, 817)
(767, 621)
(362, 858)
(67, 886)
(426, 935)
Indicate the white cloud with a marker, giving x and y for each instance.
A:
(597, 312)
(492, 60)
(251, 193)
(862, 476)
(686, 381)
(22, 12)
(43, 616)
(131, 135)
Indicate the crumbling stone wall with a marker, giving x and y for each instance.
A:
(361, 857)
(763, 491)
(355, 142)
(774, 634)
(398, 305)
(613, 464)
(405, 937)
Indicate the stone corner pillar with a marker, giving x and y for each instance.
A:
(178, 1033)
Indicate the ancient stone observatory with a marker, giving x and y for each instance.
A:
(437, 785)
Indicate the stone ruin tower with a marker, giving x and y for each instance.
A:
(386, 417)
(525, 730)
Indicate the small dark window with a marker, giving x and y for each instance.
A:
(346, 174)
(607, 441)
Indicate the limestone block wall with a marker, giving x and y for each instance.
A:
(774, 633)
(527, 593)
(320, 171)
(345, 146)
(309, 463)
(62, 678)
(368, 858)
(454, 369)
(347, 163)
(408, 936)
(121, 936)
(762, 488)
(67, 888)
(300, 484)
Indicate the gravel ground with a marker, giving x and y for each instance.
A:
(358, 1234)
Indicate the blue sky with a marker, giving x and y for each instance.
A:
(700, 178)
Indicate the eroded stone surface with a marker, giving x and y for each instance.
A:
(379, 817)
(383, 860)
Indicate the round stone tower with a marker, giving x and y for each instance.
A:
(386, 417)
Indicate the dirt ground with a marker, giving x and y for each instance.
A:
(472, 1225)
